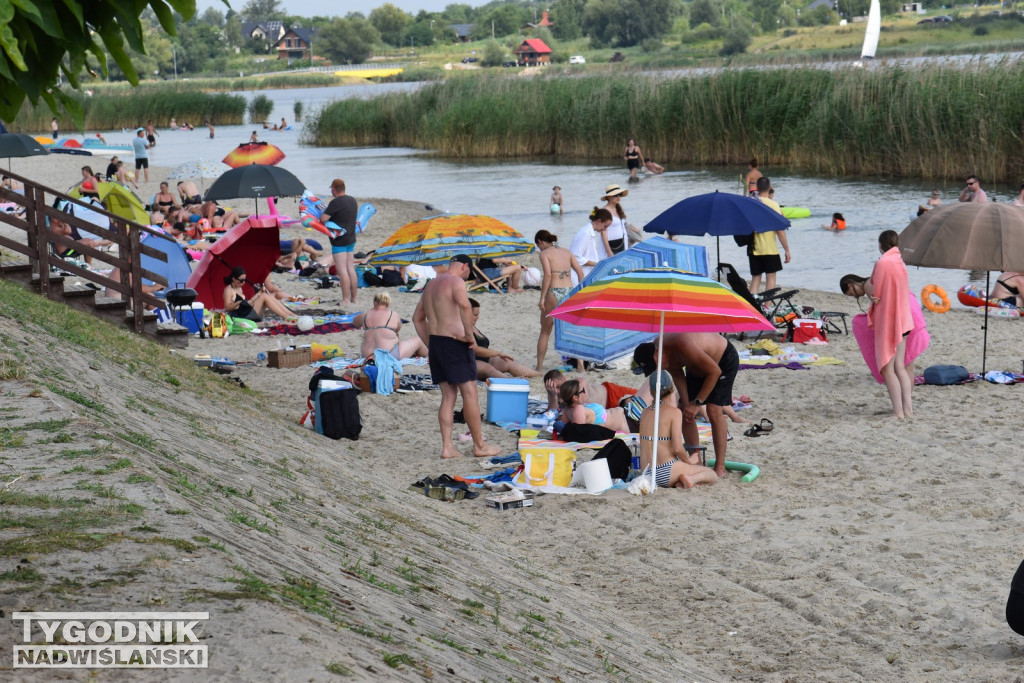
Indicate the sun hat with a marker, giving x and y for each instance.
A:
(614, 190)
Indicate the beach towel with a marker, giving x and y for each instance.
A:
(387, 368)
(917, 340)
(890, 318)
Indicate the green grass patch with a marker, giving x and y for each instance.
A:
(21, 574)
(138, 479)
(119, 464)
(53, 541)
(396, 661)
(338, 669)
(250, 521)
(43, 501)
(10, 438)
(76, 397)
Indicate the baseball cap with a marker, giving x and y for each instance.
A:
(643, 359)
(666, 380)
(461, 258)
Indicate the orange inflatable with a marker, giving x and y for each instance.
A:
(930, 291)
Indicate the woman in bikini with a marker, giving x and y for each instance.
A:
(238, 306)
(380, 326)
(491, 362)
(575, 409)
(165, 202)
(674, 467)
(558, 265)
(1010, 288)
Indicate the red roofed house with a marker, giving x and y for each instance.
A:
(532, 52)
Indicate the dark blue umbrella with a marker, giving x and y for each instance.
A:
(717, 213)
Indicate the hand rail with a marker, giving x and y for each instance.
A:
(37, 200)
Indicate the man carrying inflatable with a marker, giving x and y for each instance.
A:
(340, 218)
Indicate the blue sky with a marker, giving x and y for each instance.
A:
(310, 8)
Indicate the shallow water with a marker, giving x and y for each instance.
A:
(517, 192)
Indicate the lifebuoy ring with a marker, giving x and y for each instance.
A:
(926, 298)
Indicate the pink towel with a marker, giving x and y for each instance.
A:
(917, 341)
(890, 317)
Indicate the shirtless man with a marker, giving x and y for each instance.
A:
(703, 366)
(444, 323)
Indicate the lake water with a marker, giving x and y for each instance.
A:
(517, 192)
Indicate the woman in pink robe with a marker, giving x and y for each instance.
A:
(891, 318)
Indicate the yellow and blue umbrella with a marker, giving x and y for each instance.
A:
(433, 241)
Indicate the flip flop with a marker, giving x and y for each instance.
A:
(756, 430)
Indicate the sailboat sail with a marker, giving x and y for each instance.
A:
(873, 29)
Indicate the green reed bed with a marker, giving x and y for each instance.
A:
(114, 108)
(931, 122)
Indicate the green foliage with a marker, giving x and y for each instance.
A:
(494, 54)
(704, 12)
(651, 45)
(418, 34)
(567, 16)
(260, 107)
(500, 20)
(297, 110)
(735, 42)
(842, 122)
(40, 41)
(981, 30)
(349, 40)
(390, 22)
(110, 108)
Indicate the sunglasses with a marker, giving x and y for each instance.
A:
(240, 279)
(581, 391)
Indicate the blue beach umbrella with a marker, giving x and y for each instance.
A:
(717, 213)
(176, 269)
(601, 344)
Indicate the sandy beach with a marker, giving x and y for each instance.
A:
(868, 549)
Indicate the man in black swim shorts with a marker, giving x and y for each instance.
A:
(444, 323)
(703, 366)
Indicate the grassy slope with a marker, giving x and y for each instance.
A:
(130, 479)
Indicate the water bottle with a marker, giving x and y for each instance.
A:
(634, 468)
(261, 359)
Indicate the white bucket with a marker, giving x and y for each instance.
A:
(596, 475)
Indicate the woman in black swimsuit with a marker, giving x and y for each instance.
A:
(491, 362)
(1008, 288)
(238, 306)
(634, 158)
(165, 202)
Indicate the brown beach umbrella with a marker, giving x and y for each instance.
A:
(967, 236)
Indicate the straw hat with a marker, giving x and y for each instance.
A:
(614, 190)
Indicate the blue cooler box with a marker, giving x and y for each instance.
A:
(506, 399)
(183, 316)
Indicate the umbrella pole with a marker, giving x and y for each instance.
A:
(984, 343)
(657, 404)
(718, 246)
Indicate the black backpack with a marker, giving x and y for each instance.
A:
(338, 415)
(619, 456)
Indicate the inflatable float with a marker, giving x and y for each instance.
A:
(311, 207)
(928, 295)
(792, 212)
(974, 296)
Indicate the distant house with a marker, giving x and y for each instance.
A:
(296, 43)
(268, 31)
(545, 22)
(462, 32)
(533, 51)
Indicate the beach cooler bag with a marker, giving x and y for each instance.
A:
(546, 466)
(803, 330)
(334, 406)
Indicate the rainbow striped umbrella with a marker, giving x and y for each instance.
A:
(434, 240)
(660, 300)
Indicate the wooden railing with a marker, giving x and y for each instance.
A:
(37, 202)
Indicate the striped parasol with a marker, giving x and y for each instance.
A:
(660, 300)
(433, 241)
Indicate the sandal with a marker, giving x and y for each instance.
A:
(766, 425)
(756, 430)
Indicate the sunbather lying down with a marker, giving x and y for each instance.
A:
(575, 409)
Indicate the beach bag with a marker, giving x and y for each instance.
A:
(945, 374)
(744, 240)
(803, 330)
(546, 466)
(586, 433)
